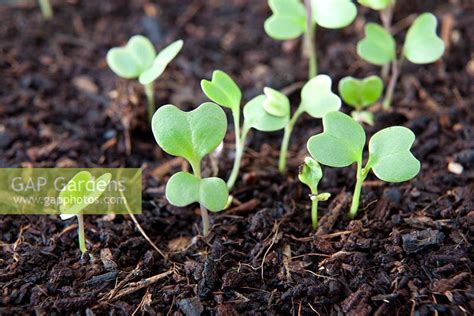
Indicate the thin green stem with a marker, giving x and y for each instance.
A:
(239, 150)
(286, 139)
(150, 99)
(46, 9)
(196, 165)
(309, 40)
(81, 234)
(361, 175)
(314, 212)
(386, 17)
(392, 84)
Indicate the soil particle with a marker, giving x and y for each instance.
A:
(191, 306)
(419, 240)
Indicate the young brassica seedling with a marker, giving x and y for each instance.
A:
(267, 113)
(422, 46)
(317, 99)
(361, 94)
(310, 174)
(80, 192)
(138, 59)
(342, 143)
(192, 135)
(291, 19)
(46, 9)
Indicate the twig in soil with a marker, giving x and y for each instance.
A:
(275, 228)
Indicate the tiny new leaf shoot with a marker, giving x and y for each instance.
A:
(310, 174)
(192, 135)
(317, 99)
(267, 113)
(342, 143)
(81, 187)
(376, 4)
(361, 93)
(422, 46)
(291, 19)
(46, 9)
(139, 60)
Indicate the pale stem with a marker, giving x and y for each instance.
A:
(386, 17)
(361, 175)
(81, 234)
(392, 84)
(196, 166)
(239, 150)
(309, 39)
(150, 99)
(314, 211)
(286, 139)
(46, 9)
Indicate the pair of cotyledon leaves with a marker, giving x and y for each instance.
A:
(360, 93)
(80, 191)
(138, 59)
(343, 140)
(422, 44)
(289, 16)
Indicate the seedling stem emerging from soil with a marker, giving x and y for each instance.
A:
(46, 9)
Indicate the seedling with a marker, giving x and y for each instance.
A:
(422, 46)
(310, 174)
(342, 143)
(361, 94)
(317, 99)
(267, 113)
(46, 9)
(80, 192)
(291, 19)
(192, 135)
(138, 59)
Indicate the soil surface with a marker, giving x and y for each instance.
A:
(409, 250)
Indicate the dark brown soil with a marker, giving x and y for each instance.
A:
(409, 251)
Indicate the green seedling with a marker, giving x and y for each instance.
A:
(46, 9)
(422, 46)
(317, 99)
(138, 59)
(310, 174)
(360, 94)
(80, 192)
(342, 143)
(192, 135)
(291, 19)
(267, 113)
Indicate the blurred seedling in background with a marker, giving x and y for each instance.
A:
(267, 113)
(342, 143)
(192, 135)
(422, 46)
(46, 9)
(317, 99)
(310, 174)
(360, 94)
(292, 18)
(138, 59)
(80, 192)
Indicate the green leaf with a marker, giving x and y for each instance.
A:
(340, 144)
(190, 135)
(378, 46)
(310, 174)
(288, 20)
(360, 93)
(317, 99)
(276, 103)
(184, 188)
(333, 14)
(222, 90)
(376, 4)
(131, 60)
(161, 62)
(256, 117)
(422, 45)
(81, 190)
(390, 157)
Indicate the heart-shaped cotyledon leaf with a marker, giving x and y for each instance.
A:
(333, 14)
(255, 116)
(190, 135)
(222, 90)
(184, 188)
(340, 144)
(81, 191)
(317, 99)
(376, 4)
(276, 103)
(390, 157)
(378, 46)
(160, 62)
(422, 45)
(360, 93)
(288, 20)
(310, 174)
